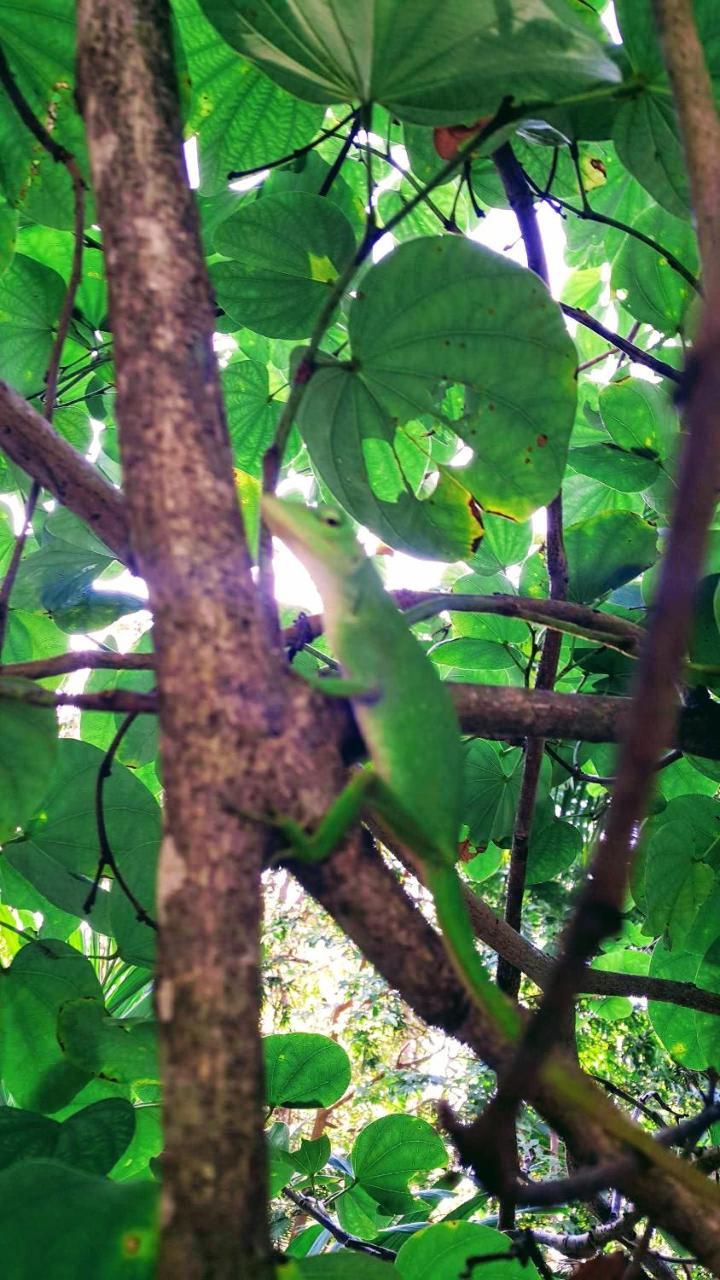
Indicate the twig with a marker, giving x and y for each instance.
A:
(111, 700)
(293, 155)
(342, 154)
(311, 1207)
(622, 344)
(588, 214)
(107, 857)
(560, 615)
(61, 155)
(62, 664)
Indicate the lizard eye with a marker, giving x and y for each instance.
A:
(331, 518)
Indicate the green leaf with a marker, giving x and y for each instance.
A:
(677, 882)
(65, 834)
(553, 848)
(639, 416)
(606, 551)
(682, 1031)
(492, 782)
(647, 141)
(287, 252)
(370, 465)
(615, 467)
(25, 1135)
(424, 64)
(95, 1138)
(336, 1266)
(65, 1222)
(649, 138)
(241, 118)
(652, 290)
(620, 960)
(442, 314)
(471, 654)
(443, 1251)
(252, 412)
(303, 1070)
(358, 1213)
(704, 647)
(90, 610)
(28, 752)
(504, 543)
(41, 979)
(386, 1154)
(312, 1156)
(31, 296)
(122, 1050)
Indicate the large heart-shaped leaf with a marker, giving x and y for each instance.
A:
(287, 251)
(41, 979)
(28, 753)
(31, 296)
(434, 65)
(304, 1070)
(446, 328)
(63, 1222)
(389, 1151)
(242, 119)
(441, 1252)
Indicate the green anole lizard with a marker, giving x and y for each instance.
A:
(414, 778)
(408, 724)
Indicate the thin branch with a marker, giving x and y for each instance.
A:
(585, 1183)
(342, 154)
(110, 700)
(315, 1210)
(107, 859)
(62, 664)
(559, 615)
(588, 214)
(622, 344)
(293, 155)
(518, 952)
(27, 115)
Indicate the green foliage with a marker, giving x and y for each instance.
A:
(304, 1070)
(449, 401)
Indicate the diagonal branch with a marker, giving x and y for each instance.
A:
(31, 443)
(654, 708)
(367, 902)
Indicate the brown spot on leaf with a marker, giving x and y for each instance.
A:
(541, 440)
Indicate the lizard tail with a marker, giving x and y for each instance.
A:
(459, 938)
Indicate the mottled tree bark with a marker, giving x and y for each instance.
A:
(220, 684)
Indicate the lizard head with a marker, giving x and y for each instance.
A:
(321, 537)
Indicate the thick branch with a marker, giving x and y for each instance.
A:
(368, 903)
(32, 444)
(505, 713)
(521, 954)
(221, 693)
(699, 127)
